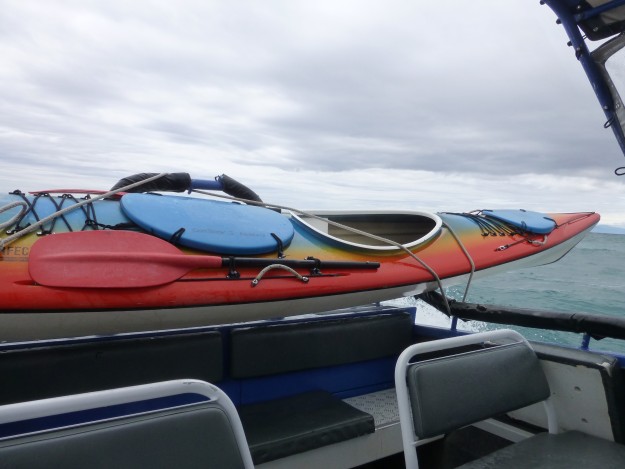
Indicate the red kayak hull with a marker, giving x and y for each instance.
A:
(211, 296)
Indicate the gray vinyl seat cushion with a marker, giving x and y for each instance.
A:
(178, 423)
(567, 450)
(180, 438)
(437, 405)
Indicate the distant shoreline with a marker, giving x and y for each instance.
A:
(607, 229)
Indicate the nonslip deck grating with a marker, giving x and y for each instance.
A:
(382, 405)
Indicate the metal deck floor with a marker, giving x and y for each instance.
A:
(382, 405)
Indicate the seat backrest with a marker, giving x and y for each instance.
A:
(182, 423)
(463, 380)
(74, 366)
(274, 349)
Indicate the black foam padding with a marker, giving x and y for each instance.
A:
(262, 351)
(282, 427)
(42, 372)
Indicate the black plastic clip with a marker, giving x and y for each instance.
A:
(232, 273)
(17, 228)
(280, 246)
(175, 238)
(315, 269)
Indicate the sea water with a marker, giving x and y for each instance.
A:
(589, 279)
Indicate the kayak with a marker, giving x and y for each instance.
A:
(76, 264)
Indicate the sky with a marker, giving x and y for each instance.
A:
(365, 104)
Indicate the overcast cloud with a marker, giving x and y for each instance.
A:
(448, 105)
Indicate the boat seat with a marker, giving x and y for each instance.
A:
(581, 399)
(299, 423)
(262, 351)
(74, 367)
(463, 380)
(181, 423)
(283, 410)
(562, 451)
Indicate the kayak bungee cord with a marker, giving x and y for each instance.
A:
(29, 229)
(38, 196)
(493, 227)
(531, 241)
(353, 230)
(489, 226)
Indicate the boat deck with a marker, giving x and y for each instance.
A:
(382, 405)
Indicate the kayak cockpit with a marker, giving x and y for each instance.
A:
(409, 229)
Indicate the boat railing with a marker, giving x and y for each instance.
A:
(590, 325)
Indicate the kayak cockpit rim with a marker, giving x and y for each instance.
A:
(408, 228)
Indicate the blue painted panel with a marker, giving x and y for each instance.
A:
(534, 222)
(342, 380)
(208, 225)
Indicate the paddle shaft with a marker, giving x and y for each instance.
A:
(308, 263)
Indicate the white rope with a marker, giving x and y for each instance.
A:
(29, 229)
(14, 218)
(345, 227)
(538, 243)
(262, 273)
(533, 242)
(468, 256)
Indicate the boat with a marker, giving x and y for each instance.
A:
(313, 391)
(127, 260)
(324, 390)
